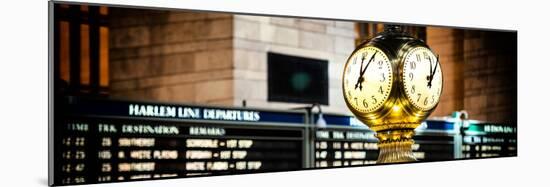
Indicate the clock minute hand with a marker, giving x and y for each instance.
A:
(360, 71)
(433, 72)
(430, 59)
(429, 78)
(360, 79)
(370, 60)
(437, 63)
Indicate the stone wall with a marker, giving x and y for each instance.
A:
(490, 75)
(480, 73)
(217, 58)
(171, 56)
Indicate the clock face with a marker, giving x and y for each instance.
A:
(422, 78)
(367, 79)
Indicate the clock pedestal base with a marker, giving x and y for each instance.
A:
(395, 146)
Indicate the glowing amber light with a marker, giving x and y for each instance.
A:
(396, 108)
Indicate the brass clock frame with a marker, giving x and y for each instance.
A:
(384, 109)
(394, 122)
(415, 114)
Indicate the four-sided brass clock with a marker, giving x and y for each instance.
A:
(392, 83)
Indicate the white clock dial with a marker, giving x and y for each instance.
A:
(367, 79)
(422, 78)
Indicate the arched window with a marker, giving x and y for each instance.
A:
(81, 45)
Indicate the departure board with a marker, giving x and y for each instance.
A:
(435, 140)
(482, 140)
(96, 149)
(433, 146)
(346, 142)
(100, 141)
(337, 147)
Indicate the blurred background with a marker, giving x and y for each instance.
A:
(258, 61)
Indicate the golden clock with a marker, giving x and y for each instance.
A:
(422, 78)
(368, 79)
(392, 83)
